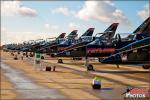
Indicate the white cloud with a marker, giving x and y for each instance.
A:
(47, 26)
(63, 10)
(3, 29)
(24, 11)
(104, 11)
(54, 27)
(73, 26)
(11, 8)
(18, 37)
(3, 35)
(8, 36)
(145, 12)
(51, 27)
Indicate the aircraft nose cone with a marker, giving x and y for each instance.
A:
(61, 54)
(57, 54)
(107, 60)
(112, 59)
(88, 45)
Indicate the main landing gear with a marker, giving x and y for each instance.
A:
(90, 67)
(60, 61)
(146, 66)
(117, 65)
(42, 57)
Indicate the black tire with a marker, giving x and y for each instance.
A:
(42, 57)
(52, 55)
(79, 58)
(90, 67)
(15, 58)
(96, 86)
(24, 54)
(146, 66)
(48, 68)
(60, 61)
(31, 54)
(12, 54)
(100, 59)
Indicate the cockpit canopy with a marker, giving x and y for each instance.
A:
(85, 39)
(99, 42)
(60, 40)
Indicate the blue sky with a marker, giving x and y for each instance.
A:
(42, 19)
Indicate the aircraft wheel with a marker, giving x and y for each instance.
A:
(48, 68)
(60, 61)
(146, 66)
(79, 58)
(15, 58)
(100, 59)
(31, 55)
(42, 57)
(95, 86)
(90, 67)
(52, 55)
(24, 54)
(12, 54)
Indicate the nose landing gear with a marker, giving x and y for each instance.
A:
(146, 66)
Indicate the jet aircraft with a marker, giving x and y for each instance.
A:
(137, 52)
(78, 49)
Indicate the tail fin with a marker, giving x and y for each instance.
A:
(89, 32)
(110, 31)
(62, 35)
(73, 33)
(144, 27)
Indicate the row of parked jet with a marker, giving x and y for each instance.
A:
(107, 46)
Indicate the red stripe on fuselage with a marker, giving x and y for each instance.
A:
(99, 50)
(61, 48)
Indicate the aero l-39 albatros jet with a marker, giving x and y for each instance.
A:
(136, 52)
(79, 49)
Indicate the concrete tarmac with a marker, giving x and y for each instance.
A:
(70, 80)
